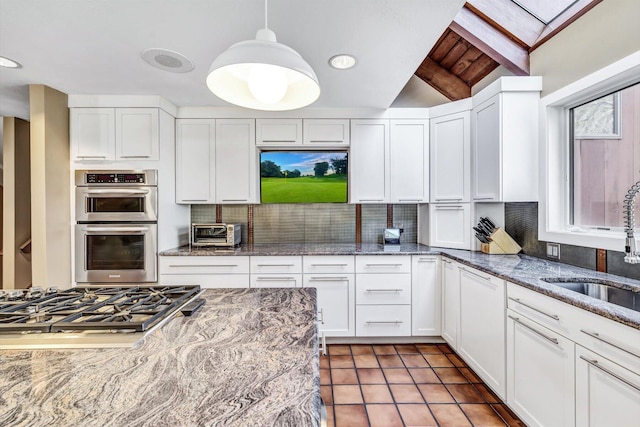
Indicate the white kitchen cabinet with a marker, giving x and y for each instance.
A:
(450, 301)
(236, 161)
(540, 373)
(450, 225)
(425, 296)
(409, 161)
(114, 134)
(607, 394)
(481, 342)
(369, 161)
(278, 132)
(326, 132)
(450, 145)
(195, 160)
(383, 289)
(276, 271)
(504, 147)
(383, 320)
(206, 271)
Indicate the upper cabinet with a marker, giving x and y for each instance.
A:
(450, 147)
(236, 161)
(115, 134)
(369, 161)
(504, 141)
(278, 132)
(195, 160)
(326, 132)
(302, 133)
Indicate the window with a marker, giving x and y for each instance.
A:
(605, 157)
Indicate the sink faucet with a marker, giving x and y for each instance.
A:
(632, 255)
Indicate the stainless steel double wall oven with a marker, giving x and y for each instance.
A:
(116, 226)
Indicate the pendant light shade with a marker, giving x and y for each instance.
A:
(263, 74)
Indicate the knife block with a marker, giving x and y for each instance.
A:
(501, 243)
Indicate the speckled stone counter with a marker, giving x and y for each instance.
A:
(248, 357)
(523, 270)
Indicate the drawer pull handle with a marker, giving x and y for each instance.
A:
(448, 199)
(488, 279)
(596, 365)
(484, 198)
(276, 265)
(604, 340)
(235, 200)
(446, 262)
(328, 279)
(321, 319)
(395, 322)
(383, 265)
(205, 265)
(546, 337)
(409, 200)
(371, 200)
(328, 265)
(276, 279)
(449, 208)
(383, 290)
(426, 260)
(553, 316)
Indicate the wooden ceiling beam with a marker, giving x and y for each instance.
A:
(509, 18)
(491, 41)
(442, 80)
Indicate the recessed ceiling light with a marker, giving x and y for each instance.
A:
(9, 63)
(342, 61)
(167, 60)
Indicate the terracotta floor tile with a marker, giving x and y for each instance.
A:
(438, 361)
(450, 375)
(366, 361)
(449, 416)
(384, 416)
(324, 362)
(339, 350)
(330, 417)
(376, 393)
(327, 394)
(508, 416)
(390, 361)
(435, 393)
(406, 393)
(416, 415)
(346, 394)
(361, 349)
(341, 361)
(470, 375)
(445, 348)
(351, 416)
(371, 376)
(384, 349)
(397, 375)
(424, 375)
(429, 348)
(487, 394)
(344, 376)
(414, 361)
(325, 377)
(482, 415)
(406, 349)
(456, 360)
(465, 393)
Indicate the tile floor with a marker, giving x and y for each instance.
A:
(406, 385)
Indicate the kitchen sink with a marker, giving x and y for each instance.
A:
(600, 289)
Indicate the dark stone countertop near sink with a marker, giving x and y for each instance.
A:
(523, 270)
(248, 357)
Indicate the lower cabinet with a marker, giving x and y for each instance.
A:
(383, 321)
(336, 303)
(540, 373)
(425, 296)
(276, 271)
(450, 302)
(206, 271)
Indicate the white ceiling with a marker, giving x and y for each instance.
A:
(94, 46)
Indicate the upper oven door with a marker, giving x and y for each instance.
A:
(116, 204)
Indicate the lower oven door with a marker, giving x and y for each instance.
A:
(116, 253)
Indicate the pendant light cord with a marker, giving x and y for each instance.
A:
(266, 18)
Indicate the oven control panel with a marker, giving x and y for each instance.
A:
(115, 178)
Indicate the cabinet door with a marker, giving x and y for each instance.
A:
(137, 134)
(540, 373)
(450, 146)
(235, 161)
(486, 151)
(326, 132)
(449, 226)
(336, 302)
(607, 394)
(278, 132)
(409, 161)
(450, 302)
(481, 342)
(368, 162)
(425, 296)
(93, 134)
(195, 157)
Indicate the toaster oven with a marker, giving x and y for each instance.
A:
(220, 234)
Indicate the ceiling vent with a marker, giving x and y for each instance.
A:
(167, 60)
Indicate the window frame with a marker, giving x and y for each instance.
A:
(555, 157)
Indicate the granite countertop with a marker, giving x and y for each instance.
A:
(523, 270)
(248, 357)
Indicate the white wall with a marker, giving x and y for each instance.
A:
(418, 94)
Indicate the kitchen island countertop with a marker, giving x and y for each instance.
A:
(248, 357)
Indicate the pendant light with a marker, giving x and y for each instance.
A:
(263, 74)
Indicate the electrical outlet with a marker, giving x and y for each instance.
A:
(553, 250)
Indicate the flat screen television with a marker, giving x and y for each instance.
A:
(303, 176)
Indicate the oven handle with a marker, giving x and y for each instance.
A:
(117, 191)
(90, 230)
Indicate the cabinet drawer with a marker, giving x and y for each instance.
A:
(276, 280)
(328, 264)
(326, 131)
(206, 280)
(383, 264)
(383, 320)
(383, 289)
(278, 131)
(204, 265)
(276, 264)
